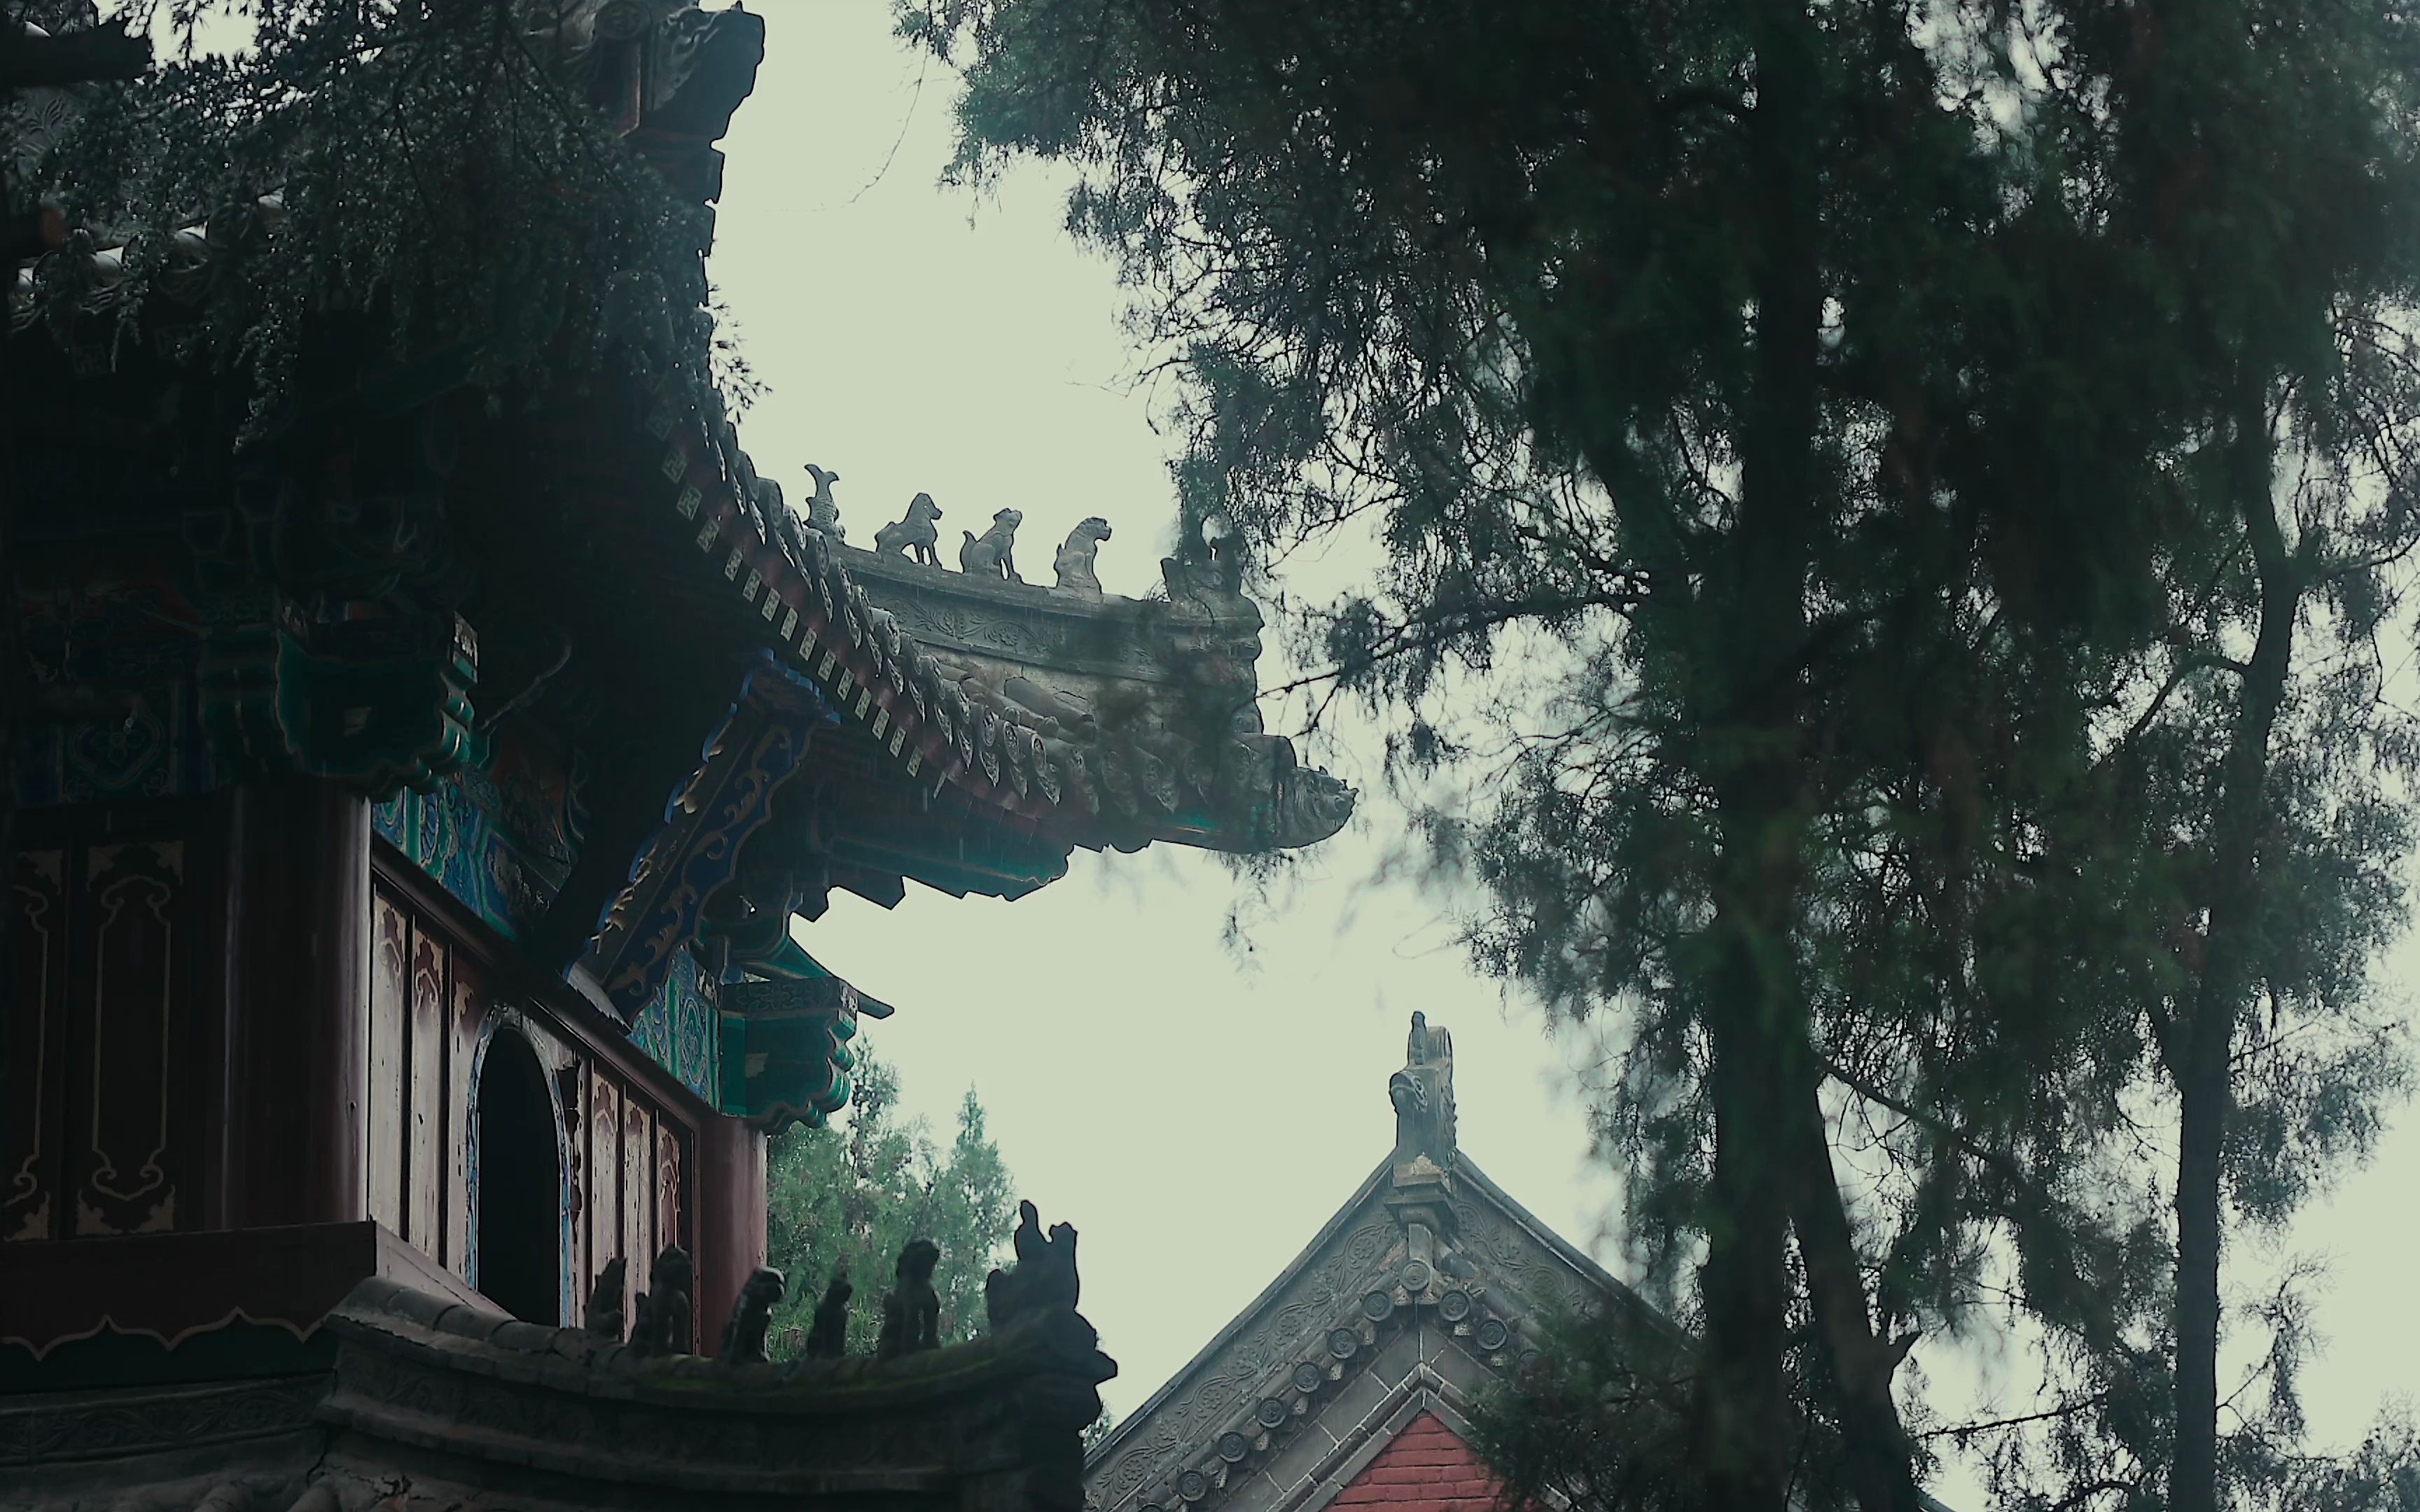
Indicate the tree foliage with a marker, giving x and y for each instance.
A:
(853, 1195)
(1917, 491)
(383, 180)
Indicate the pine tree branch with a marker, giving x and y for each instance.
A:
(1963, 1431)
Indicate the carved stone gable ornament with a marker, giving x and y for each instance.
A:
(1423, 1291)
(1423, 1093)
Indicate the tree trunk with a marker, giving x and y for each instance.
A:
(1881, 1474)
(2199, 1053)
(1743, 1407)
(1750, 715)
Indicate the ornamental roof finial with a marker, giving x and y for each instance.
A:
(1423, 1093)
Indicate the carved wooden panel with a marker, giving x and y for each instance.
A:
(462, 1026)
(638, 1202)
(424, 1122)
(604, 1194)
(136, 1022)
(571, 1097)
(622, 1151)
(30, 1118)
(389, 996)
(667, 1186)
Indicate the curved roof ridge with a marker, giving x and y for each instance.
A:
(1327, 1231)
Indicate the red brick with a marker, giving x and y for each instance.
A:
(1426, 1467)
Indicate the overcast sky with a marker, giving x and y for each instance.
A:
(1195, 1112)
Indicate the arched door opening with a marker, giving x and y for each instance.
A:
(520, 1266)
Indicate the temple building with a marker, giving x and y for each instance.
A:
(403, 960)
(1348, 1381)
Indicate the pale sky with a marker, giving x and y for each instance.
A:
(1196, 1114)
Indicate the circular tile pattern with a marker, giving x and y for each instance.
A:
(1193, 1486)
(1343, 1342)
(1307, 1377)
(1233, 1446)
(1454, 1306)
(1491, 1334)
(1376, 1306)
(1271, 1411)
(1417, 1276)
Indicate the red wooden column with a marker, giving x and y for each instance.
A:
(296, 1079)
(730, 1188)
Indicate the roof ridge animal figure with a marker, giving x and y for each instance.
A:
(605, 1319)
(912, 537)
(662, 1326)
(823, 513)
(743, 1336)
(828, 1338)
(1074, 563)
(993, 554)
(1044, 1277)
(912, 1314)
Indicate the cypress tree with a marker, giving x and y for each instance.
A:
(1817, 428)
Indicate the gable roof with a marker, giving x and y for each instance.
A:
(1429, 1282)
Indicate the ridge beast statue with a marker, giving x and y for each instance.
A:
(913, 535)
(992, 554)
(662, 1326)
(1074, 563)
(1043, 1280)
(827, 1339)
(743, 1338)
(912, 1314)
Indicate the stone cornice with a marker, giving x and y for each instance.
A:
(418, 1370)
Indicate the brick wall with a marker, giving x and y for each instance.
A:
(1425, 1468)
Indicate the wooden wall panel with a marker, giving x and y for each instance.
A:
(390, 997)
(625, 1144)
(135, 1147)
(638, 1197)
(424, 1107)
(462, 1027)
(667, 1183)
(571, 1092)
(32, 1115)
(604, 1205)
(111, 1024)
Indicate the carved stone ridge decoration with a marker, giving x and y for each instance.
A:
(35, 1432)
(1428, 1243)
(912, 1314)
(828, 1338)
(1042, 1280)
(992, 554)
(743, 1338)
(1002, 1412)
(1073, 565)
(913, 535)
(1186, 759)
(1423, 1093)
(823, 514)
(661, 1327)
(1288, 1340)
(605, 1320)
